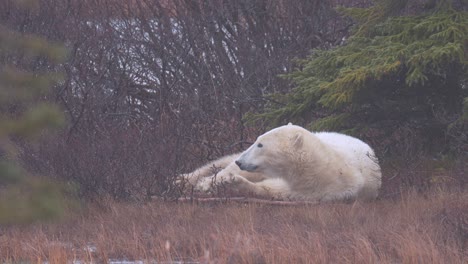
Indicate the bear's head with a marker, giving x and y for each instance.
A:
(273, 150)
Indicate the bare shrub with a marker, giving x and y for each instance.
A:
(154, 88)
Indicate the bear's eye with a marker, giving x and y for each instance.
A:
(260, 145)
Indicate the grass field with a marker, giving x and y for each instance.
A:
(429, 227)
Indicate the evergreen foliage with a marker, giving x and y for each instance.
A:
(404, 69)
(24, 198)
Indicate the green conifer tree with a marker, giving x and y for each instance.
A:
(400, 68)
(24, 198)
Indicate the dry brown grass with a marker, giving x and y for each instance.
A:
(414, 228)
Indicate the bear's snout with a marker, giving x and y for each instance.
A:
(246, 167)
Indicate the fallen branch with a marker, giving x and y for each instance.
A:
(239, 200)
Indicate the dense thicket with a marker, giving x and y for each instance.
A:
(399, 80)
(154, 88)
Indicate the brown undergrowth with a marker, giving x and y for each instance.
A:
(429, 227)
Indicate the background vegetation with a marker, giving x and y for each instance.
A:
(152, 89)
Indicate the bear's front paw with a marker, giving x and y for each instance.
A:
(205, 185)
(185, 181)
(234, 182)
(209, 184)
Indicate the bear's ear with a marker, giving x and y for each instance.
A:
(297, 140)
(289, 124)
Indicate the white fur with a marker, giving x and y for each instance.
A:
(290, 162)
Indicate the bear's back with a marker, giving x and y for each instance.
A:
(348, 146)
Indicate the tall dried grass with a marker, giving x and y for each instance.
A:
(413, 228)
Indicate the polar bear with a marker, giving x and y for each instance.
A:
(290, 162)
